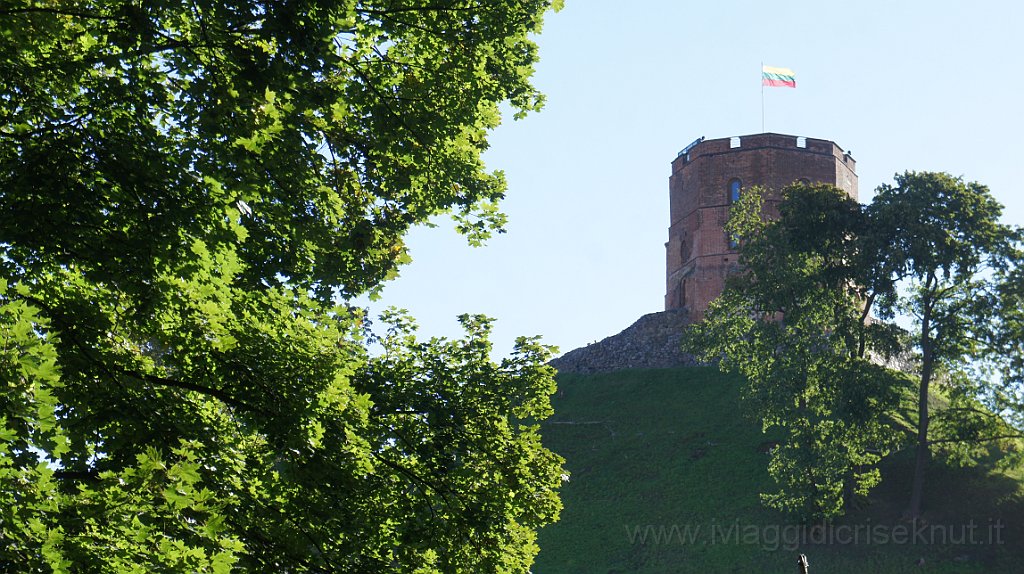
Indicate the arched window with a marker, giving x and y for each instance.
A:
(734, 190)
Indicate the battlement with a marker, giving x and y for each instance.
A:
(702, 147)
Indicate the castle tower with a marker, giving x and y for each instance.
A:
(707, 176)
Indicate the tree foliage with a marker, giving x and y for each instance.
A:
(941, 250)
(809, 322)
(190, 193)
(1007, 344)
(793, 324)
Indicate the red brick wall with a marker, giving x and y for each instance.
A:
(697, 253)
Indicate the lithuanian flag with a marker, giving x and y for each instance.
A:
(777, 77)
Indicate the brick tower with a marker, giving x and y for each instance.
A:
(707, 176)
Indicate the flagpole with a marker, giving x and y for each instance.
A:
(762, 96)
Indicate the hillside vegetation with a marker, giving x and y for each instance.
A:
(665, 476)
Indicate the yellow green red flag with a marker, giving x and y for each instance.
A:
(777, 77)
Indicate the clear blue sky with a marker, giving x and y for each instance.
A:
(904, 85)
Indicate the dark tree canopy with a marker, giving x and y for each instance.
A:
(940, 252)
(190, 195)
(809, 323)
(792, 323)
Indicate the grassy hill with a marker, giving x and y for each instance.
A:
(665, 476)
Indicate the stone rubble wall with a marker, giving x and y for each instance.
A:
(652, 342)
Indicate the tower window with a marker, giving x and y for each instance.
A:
(734, 190)
(731, 242)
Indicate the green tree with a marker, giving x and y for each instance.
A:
(190, 195)
(793, 323)
(1006, 344)
(939, 249)
(815, 311)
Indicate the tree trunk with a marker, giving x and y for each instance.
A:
(923, 452)
(862, 327)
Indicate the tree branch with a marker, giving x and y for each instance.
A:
(985, 439)
(80, 475)
(58, 12)
(201, 389)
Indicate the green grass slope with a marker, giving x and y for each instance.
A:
(665, 476)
